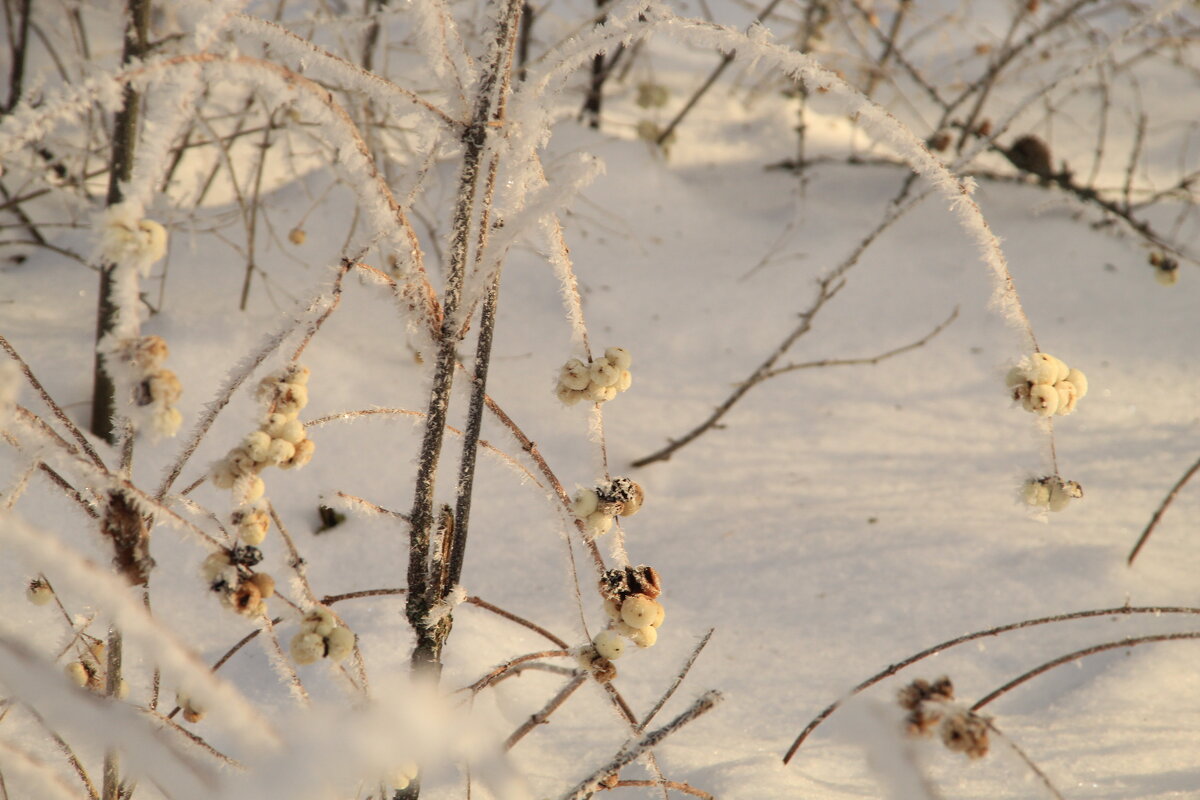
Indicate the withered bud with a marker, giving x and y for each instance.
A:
(965, 732)
(917, 692)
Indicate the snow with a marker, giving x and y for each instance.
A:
(839, 519)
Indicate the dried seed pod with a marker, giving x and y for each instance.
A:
(265, 584)
(297, 236)
(965, 732)
(39, 592)
(633, 500)
(644, 579)
(247, 599)
(306, 648)
(574, 375)
(920, 691)
(638, 611)
(164, 387)
(339, 643)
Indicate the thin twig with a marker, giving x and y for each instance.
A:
(543, 716)
(1162, 507)
(1033, 767)
(1132, 641)
(970, 637)
(632, 750)
(675, 684)
(685, 788)
(845, 362)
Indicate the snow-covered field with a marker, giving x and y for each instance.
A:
(839, 519)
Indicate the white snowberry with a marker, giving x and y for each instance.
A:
(568, 396)
(638, 611)
(1035, 493)
(256, 445)
(574, 375)
(601, 394)
(604, 373)
(1068, 396)
(625, 381)
(1042, 400)
(1079, 380)
(609, 644)
(584, 503)
(340, 643)
(307, 648)
(598, 523)
(279, 451)
(644, 637)
(619, 357)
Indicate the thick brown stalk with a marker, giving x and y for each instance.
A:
(426, 655)
(125, 124)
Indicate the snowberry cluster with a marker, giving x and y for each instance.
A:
(90, 670)
(38, 591)
(630, 600)
(1045, 385)
(128, 238)
(230, 574)
(599, 381)
(597, 507)
(931, 705)
(280, 440)
(1050, 492)
(138, 363)
(321, 636)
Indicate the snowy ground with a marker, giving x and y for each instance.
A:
(840, 520)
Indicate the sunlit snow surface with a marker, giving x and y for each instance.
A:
(840, 520)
